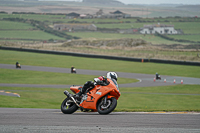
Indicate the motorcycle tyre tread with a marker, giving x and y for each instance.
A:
(105, 112)
(70, 110)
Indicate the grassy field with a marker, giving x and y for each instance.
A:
(16, 29)
(164, 98)
(33, 97)
(14, 25)
(62, 18)
(22, 31)
(36, 77)
(186, 27)
(168, 98)
(120, 25)
(29, 35)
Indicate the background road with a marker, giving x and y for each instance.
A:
(145, 79)
(52, 120)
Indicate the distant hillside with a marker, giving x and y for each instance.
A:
(39, 2)
(190, 7)
(103, 2)
(157, 5)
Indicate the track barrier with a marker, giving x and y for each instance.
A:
(103, 56)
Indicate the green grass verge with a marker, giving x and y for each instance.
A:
(36, 77)
(32, 98)
(165, 98)
(168, 98)
(36, 59)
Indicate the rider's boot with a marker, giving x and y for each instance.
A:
(82, 91)
(77, 96)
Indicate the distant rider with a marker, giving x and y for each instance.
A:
(17, 64)
(72, 69)
(157, 75)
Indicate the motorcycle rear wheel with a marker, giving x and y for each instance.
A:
(108, 108)
(68, 106)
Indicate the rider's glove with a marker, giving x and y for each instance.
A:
(98, 80)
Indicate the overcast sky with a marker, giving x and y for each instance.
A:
(160, 1)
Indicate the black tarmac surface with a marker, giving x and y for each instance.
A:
(16, 120)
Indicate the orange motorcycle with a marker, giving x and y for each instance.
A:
(102, 98)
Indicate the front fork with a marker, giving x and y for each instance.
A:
(105, 100)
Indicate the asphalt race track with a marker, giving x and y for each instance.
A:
(16, 120)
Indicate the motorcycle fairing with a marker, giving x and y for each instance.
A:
(75, 89)
(93, 97)
(97, 93)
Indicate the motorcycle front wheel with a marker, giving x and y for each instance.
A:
(108, 107)
(68, 106)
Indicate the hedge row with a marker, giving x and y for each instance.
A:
(155, 21)
(2, 12)
(173, 39)
(39, 13)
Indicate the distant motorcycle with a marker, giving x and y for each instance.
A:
(158, 77)
(74, 70)
(18, 65)
(102, 99)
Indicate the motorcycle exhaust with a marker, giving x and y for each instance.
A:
(67, 94)
(71, 96)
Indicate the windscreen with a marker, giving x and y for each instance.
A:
(115, 82)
